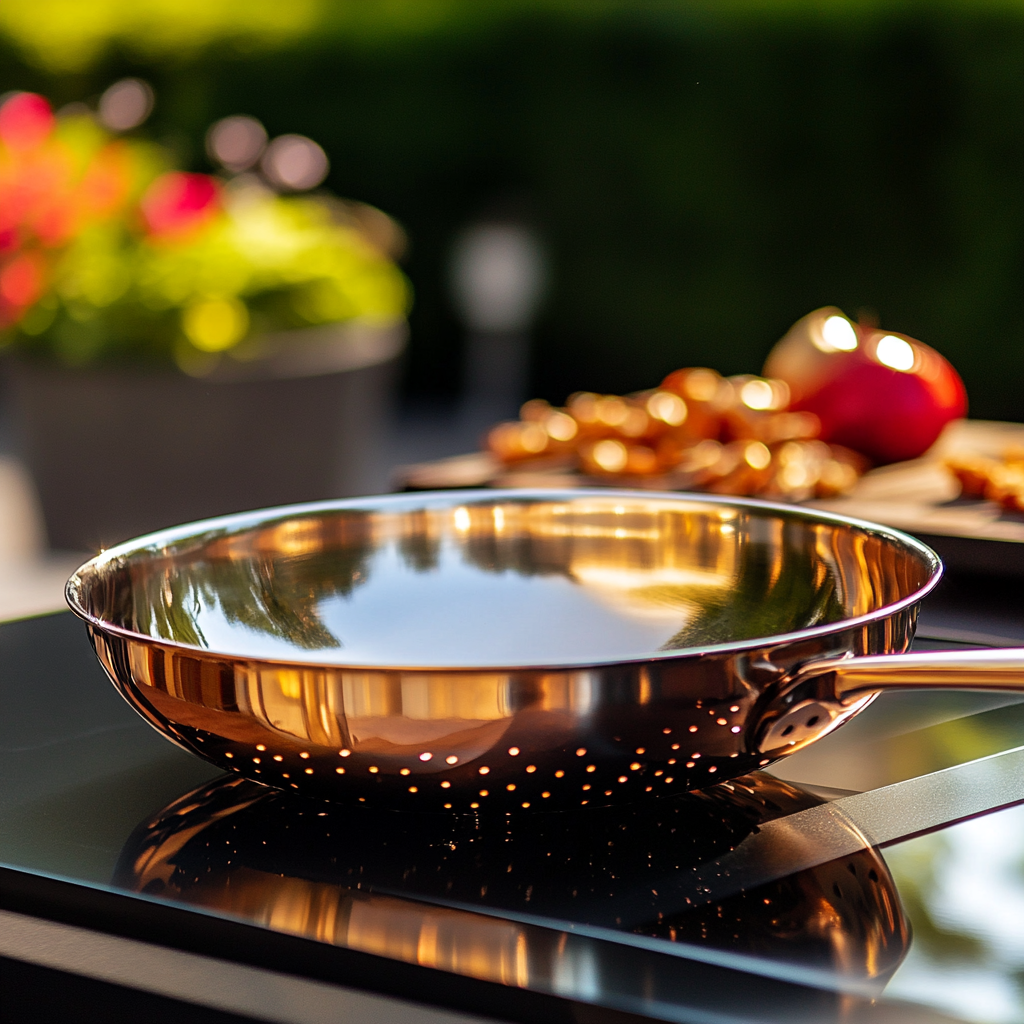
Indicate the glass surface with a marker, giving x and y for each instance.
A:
(346, 876)
(93, 794)
(484, 582)
(963, 891)
(79, 768)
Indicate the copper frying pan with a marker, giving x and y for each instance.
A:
(471, 651)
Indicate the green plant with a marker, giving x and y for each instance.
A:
(107, 256)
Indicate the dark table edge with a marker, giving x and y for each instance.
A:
(145, 920)
(151, 921)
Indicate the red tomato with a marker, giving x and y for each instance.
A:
(883, 394)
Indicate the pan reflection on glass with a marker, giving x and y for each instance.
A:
(405, 885)
(472, 651)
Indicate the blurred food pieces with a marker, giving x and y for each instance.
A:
(697, 431)
(998, 480)
(835, 398)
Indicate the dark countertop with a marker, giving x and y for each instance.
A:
(91, 802)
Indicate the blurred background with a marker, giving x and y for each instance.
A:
(696, 175)
(593, 194)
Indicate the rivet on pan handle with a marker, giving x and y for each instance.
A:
(824, 694)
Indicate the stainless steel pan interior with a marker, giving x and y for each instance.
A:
(471, 651)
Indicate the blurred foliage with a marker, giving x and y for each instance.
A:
(702, 174)
(916, 866)
(961, 888)
(70, 35)
(270, 264)
(956, 741)
(104, 258)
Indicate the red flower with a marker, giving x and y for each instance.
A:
(177, 203)
(21, 284)
(9, 236)
(26, 121)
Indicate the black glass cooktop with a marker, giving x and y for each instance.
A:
(765, 898)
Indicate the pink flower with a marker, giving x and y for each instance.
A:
(26, 121)
(21, 284)
(178, 203)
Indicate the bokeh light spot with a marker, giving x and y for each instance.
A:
(895, 353)
(214, 325)
(125, 104)
(237, 142)
(837, 335)
(295, 163)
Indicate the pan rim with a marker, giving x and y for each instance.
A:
(249, 519)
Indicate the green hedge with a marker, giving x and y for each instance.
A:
(700, 183)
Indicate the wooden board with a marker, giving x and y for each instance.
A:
(920, 497)
(923, 498)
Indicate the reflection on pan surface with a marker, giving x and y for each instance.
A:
(406, 885)
(502, 582)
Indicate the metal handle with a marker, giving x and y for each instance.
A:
(1001, 669)
(824, 694)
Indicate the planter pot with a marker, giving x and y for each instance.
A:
(116, 453)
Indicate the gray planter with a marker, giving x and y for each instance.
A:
(116, 453)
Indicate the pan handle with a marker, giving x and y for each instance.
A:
(1001, 669)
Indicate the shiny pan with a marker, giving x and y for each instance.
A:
(483, 651)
